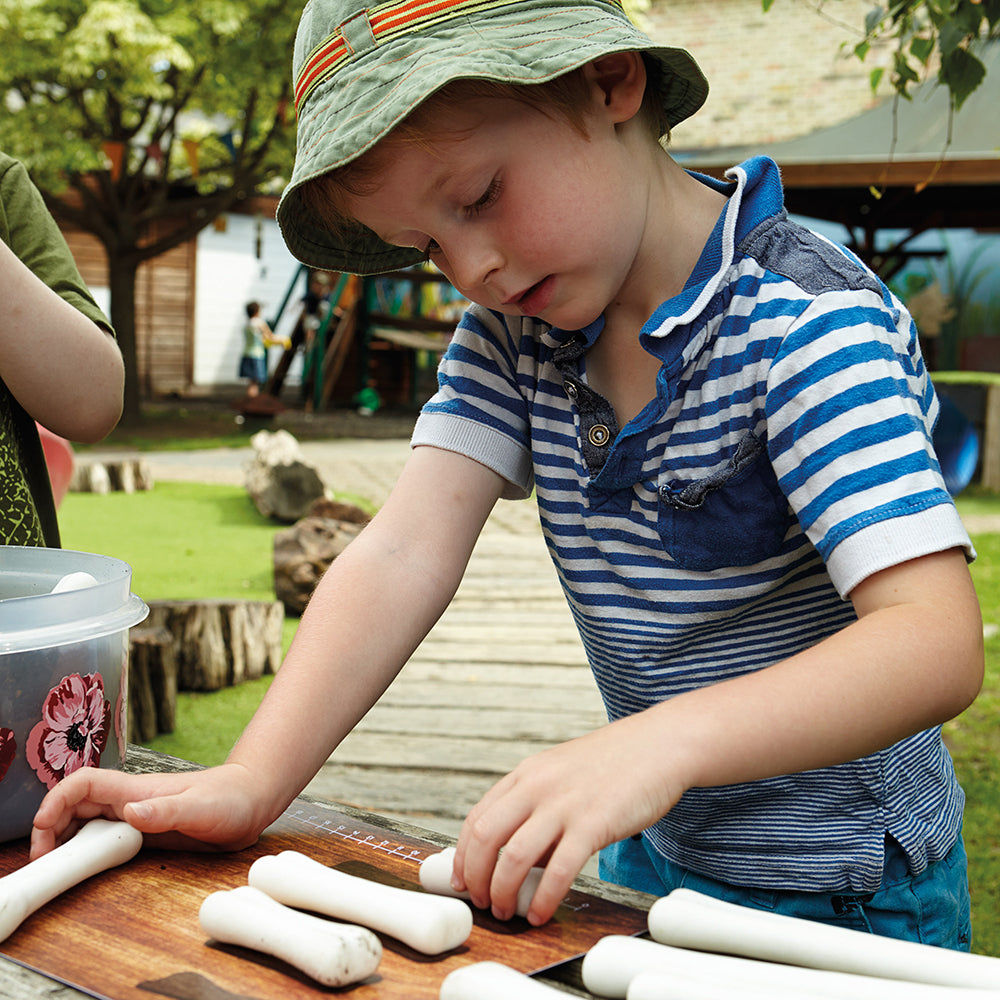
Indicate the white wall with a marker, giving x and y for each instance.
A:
(229, 275)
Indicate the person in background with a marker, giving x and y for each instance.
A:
(257, 338)
(59, 363)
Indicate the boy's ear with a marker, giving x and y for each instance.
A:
(621, 79)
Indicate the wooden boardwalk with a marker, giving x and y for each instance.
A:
(501, 676)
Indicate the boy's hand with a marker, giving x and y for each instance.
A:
(556, 810)
(195, 810)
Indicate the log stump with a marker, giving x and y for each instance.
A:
(219, 642)
(125, 476)
(152, 683)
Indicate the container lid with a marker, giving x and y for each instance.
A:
(32, 617)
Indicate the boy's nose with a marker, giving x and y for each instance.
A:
(475, 262)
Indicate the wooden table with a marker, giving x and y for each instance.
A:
(132, 932)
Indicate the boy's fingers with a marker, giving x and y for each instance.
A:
(562, 868)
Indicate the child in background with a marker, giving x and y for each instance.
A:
(727, 423)
(59, 363)
(257, 338)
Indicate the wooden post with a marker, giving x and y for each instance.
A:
(152, 683)
(991, 440)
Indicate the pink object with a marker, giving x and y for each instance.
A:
(59, 459)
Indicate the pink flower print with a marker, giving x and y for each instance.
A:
(8, 747)
(73, 730)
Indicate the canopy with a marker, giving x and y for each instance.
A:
(856, 173)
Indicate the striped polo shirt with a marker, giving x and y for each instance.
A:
(786, 457)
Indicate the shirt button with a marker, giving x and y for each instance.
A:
(599, 435)
(570, 389)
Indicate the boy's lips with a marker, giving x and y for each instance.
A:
(534, 299)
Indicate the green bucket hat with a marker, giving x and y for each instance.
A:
(359, 71)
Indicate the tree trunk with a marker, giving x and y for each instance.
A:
(122, 271)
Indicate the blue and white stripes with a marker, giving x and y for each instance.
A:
(786, 457)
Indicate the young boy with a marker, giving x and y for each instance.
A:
(727, 423)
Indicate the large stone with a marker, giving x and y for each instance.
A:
(281, 485)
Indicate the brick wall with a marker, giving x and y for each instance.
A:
(774, 75)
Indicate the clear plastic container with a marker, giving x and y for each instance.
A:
(63, 673)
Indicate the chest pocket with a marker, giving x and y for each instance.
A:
(736, 516)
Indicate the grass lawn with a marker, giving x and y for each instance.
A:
(187, 541)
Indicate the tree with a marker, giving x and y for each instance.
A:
(141, 121)
(925, 32)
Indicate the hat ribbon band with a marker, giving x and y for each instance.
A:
(383, 22)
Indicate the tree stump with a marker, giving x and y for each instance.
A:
(221, 642)
(280, 483)
(125, 476)
(152, 683)
(303, 553)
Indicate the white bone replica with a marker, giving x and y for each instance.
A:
(429, 924)
(435, 876)
(686, 986)
(99, 845)
(332, 954)
(671, 986)
(493, 981)
(612, 966)
(687, 919)
(73, 581)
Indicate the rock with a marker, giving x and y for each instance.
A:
(281, 485)
(303, 553)
(338, 510)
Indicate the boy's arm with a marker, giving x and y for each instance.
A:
(913, 660)
(371, 609)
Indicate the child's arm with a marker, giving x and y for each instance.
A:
(913, 660)
(61, 367)
(371, 609)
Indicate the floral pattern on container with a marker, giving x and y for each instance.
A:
(73, 731)
(8, 747)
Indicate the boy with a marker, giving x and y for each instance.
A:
(727, 424)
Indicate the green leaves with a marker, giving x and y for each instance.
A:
(961, 72)
(79, 74)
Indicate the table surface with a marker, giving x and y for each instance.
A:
(593, 909)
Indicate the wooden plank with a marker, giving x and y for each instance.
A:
(531, 674)
(133, 931)
(436, 752)
(510, 652)
(486, 697)
(501, 722)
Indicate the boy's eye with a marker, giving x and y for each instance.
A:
(488, 197)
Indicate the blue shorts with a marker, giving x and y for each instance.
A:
(931, 908)
(253, 368)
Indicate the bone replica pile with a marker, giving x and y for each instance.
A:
(701, 948)
(706, 949)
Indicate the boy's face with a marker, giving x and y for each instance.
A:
(522, 212)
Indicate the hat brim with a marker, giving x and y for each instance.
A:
(521, 44)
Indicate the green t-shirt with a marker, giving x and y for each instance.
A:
(27, 510)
